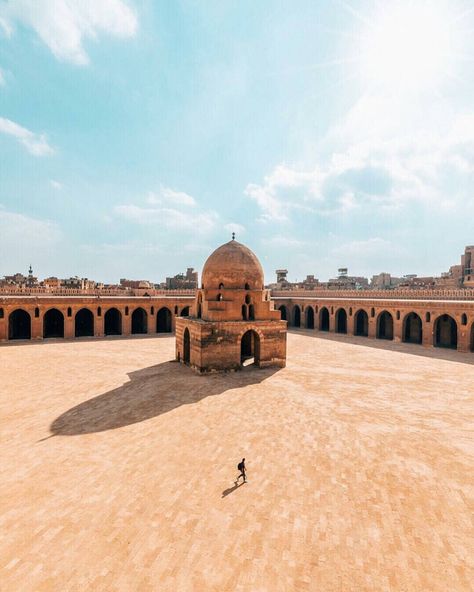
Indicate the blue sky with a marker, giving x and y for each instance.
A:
(135, 136)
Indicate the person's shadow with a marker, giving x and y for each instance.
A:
(227, 492)
(149, 393)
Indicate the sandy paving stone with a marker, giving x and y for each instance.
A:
(118, 468)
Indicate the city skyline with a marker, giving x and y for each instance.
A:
(134, 140)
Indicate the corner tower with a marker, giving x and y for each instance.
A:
(232, 322)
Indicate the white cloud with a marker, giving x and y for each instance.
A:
(368, 163)
(64, 24)
(282, 241)
(56, 184)
(166, 195)
(170, 218)
(25, 240)
(363, 247)
(234, 227)
(36, 144)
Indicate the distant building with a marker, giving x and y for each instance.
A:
(347, 282)
(181, 281)
(136, 284)
(467, 265)
(78, 283)
(384, 281)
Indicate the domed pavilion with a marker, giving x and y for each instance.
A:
(232, 322)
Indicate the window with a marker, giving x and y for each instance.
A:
(126, 311)
(1, 313)
(398, 315)
(152, 310)
(69, 311)
(464, 319)
(37, 312)
(221, 286)
(247, 287)
(428, 317)
(99, 311)
(372, 312)
(247, 299)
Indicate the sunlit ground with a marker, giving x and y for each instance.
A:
(118, 469)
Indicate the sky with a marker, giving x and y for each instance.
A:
(137, 135)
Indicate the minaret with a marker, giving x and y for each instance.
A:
(30, 276)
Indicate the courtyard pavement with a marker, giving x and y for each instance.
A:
(117, 469)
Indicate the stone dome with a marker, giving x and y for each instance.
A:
(232, 265)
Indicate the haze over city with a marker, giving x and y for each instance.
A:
(134, 136)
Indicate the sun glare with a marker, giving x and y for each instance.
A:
(408, 47)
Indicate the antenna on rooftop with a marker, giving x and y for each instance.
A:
(233, 236)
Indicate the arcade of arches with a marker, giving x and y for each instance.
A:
(50, 318)
(429, 324)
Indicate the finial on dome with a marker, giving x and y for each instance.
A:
(233, 236)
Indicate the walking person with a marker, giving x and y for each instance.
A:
(241, 468)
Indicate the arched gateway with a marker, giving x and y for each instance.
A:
(250, 348)
(233, 322)
(19, 325)
(53, 323)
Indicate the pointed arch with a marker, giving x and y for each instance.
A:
(412, 330)
(361, 323)
(341, 320)
(385, 326)
(53, 323)
(324, 319)
(19, 324)
(445, 332)
(163, 320)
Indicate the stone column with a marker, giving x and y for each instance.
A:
(350, 323)
(332, 321)
(36, 325)
(397, 329)
(463, 338)
(372, 329)
(4, 327)
(427, 329)
(98, 324)
(69, 326)
(126, 323)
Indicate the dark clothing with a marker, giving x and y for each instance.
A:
(241, 467)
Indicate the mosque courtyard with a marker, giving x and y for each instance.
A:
(118, 469)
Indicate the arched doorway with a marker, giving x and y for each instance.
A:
(139, 321)
(185, 311)
(385, 326)
(163, 321)
(446, 332)
(284, 313)
(361, 323)
(341, 321)
(324, 319)
(250, 348)
(186, 346)
(296, 316)
(19, 325)
(113, 322)
(412, 328)
(53, 323)
(472, 338)
(84, 323)
(309, 318)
